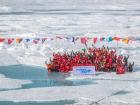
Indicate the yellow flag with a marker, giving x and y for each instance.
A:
(126, 41)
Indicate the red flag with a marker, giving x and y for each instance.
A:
(84, 40)
(35, 41)
(10, 40)
(1, 40)
(116, 38)
(94, 40)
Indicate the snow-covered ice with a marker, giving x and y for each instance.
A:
(41, 18)
(47, 17)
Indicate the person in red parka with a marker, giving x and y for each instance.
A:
(120, 69)
(102, 58)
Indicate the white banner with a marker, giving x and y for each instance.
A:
(84, 70)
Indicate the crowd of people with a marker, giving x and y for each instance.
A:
(104, 59)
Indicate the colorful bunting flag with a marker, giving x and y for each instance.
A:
(43, 40)
(10, 40)
(27, 40)
(2, 39)
(70, 39)
(84, 40)
(95, 40)
(110, 39)
(126, 41)
(19, 40)
(116, 38)
(102, 39)
(36, 40)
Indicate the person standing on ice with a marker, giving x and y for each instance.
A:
(125, 60)
(130, 67)
(120, 68)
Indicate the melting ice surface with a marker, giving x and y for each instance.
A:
(39, 76)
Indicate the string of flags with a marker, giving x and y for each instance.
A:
(83, 40)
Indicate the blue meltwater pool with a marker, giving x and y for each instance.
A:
(39, 76)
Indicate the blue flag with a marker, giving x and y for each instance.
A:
(110, 39)
(27, 40)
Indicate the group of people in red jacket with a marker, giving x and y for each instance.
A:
(103, 59)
